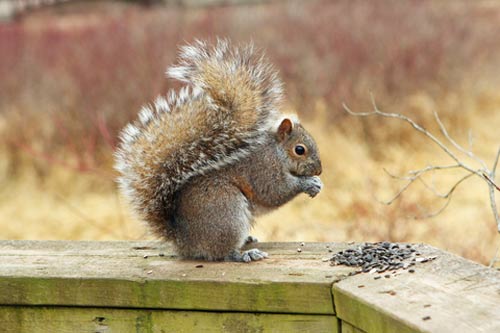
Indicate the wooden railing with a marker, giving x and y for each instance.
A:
(62, 286)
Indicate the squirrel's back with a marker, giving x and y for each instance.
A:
(230, 100)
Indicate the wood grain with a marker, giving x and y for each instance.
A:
(101, 320)
(142, 286)
(449, 294)
(116, 274)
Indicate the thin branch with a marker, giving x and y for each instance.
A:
(435, 213)
(455, 144)
(415, 126)
(491, 182)
(451, 190)
(484, 173)
(492, 187)
(415, 175)
(494, 208)
(454, 187)
(448, 195)
(493, 170)
(495, 258)
(434, 167)
(398, 194)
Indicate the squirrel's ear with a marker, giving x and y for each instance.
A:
(285, 129)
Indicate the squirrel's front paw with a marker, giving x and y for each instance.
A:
(312, 186)
(250, 240)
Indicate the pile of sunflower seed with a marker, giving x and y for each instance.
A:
(379, 257)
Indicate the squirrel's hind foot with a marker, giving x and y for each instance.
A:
(246, 256)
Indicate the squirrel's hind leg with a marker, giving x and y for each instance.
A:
(213, 219)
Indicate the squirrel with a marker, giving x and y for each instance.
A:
(200, 164)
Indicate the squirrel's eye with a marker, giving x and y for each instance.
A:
(300, 150)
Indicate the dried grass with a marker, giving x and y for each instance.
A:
(70, 81)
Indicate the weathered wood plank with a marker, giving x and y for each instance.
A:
(84, 320)
(116, 274)
(450, 294)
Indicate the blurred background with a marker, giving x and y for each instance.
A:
(73, 73)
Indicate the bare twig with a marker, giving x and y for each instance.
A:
(434, 167)
(492, 183)
(399, 193)
(492, 187)
(435, 213)
(493, 170)
(412, 176)
(488, 175)
(418, 176)
(416, 126)
(448, 194)
(454, 143)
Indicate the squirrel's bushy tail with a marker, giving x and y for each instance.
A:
(231, 98)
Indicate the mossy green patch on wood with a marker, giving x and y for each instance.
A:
(100, 320)
(20, 319)
(132, 274)
(296, 288)
(171, 294)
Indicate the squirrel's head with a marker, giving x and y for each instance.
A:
(303, 155)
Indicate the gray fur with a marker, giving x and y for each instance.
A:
(173, 159)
